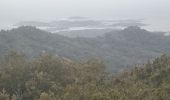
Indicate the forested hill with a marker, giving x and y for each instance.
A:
(116, 48)
(51, 78)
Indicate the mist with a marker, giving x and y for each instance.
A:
(154, 12)
(84, 50)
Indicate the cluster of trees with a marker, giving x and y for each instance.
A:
(49, 77)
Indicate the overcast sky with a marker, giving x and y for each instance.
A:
(21, 10)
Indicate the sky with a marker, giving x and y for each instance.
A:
(156, 12)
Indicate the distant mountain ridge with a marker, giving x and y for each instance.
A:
(118, 49)
(80, 23)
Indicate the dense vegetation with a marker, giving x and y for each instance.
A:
(114, 48)
(49, 77)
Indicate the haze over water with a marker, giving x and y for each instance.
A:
(153, 12)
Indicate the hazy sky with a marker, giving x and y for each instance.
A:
(20, 10)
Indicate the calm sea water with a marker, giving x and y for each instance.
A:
(152, 25)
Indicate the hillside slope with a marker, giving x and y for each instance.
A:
(120, 48)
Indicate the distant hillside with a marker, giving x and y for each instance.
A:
(82, 24)
(119, 48)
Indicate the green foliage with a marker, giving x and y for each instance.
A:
(54, 78)
(4, 95)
